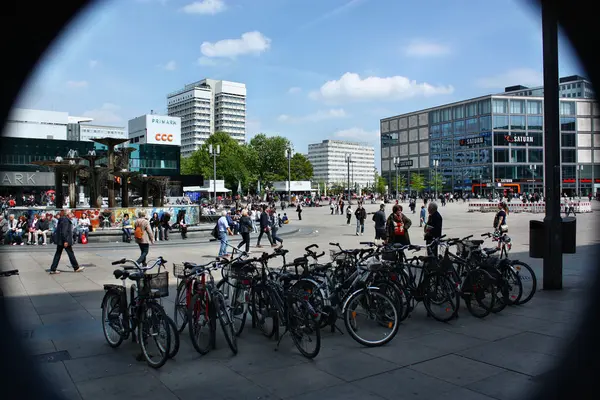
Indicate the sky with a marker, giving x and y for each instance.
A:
(314, 69)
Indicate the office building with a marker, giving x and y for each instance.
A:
(208, 106)
(330, 165)
(494, 142)
(155, 129)
(573, 86)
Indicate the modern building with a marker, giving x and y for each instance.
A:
(155, 129)
(330, 164)
(493, 142)
(573, 86)
(208, 106)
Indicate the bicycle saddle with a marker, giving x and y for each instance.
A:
(475, 242)
(136, 276)
(189, 265)
(426, 258)
(299, 261)
(281, 251)
(120, 274)
(490, 250)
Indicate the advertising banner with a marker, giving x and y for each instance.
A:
(163, 130)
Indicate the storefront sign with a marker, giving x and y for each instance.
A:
(26, 179)
(405, 163)
(163, 137)
(471, 141)
(518, 139)
(164, 121)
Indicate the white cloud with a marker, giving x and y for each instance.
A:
(205, 7)
(108, 113)
(77, 84)
(93, 63)
(518, 76)
(359, 134)
(352, 87)
(294, 90)
(170, 66)
(207, 62)
(320, 115)
(249, 43)
(423, 48)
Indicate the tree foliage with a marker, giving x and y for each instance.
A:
(301, 168)
(436, 182)
(417, 182)
(401, 183)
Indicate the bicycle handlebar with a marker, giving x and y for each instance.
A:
(135, 264)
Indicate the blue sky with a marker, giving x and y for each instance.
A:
(314, 69)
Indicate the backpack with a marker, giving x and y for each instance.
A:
(215, 232)
(138, 233)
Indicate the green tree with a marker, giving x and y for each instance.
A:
(380, 186)
(269, 162)
(436, 182)
(301, 168)
(401, 183)
(417, 182)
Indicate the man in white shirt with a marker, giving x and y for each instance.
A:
(223, 228)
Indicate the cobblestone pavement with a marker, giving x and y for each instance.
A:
(499, 357)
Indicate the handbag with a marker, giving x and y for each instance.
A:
(504, 228)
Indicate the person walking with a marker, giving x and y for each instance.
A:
(397, 226)
(380, 220)
(433, 228)
(299, 210)
(64, 241)
(348, 214)
(264, 227)
(500, 219)
(245, 229)
(361, 215)
(341, 206)
(223, 228)
(165, 222)
(422, 215)
(143, 236)
(274, 228)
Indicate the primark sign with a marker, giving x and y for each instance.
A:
(26, 179)
(164, 121)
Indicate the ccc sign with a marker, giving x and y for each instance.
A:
(163, 137)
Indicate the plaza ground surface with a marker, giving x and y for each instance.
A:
(500, 357)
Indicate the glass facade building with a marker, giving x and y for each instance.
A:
(494, 142)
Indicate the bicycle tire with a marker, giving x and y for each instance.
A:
(200, 308)
(347, 315)
(175, 340)
(513, 282)
(159, 319)
(315, 297)
(234, 303)
(449, 288)
(180, 314)
(227, 324)
(105, 318)
(262, 300)
(480, 282)
(527, 294)
(302, 313)
(396, 293)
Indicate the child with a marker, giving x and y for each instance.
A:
(285, 218)
(423, 215)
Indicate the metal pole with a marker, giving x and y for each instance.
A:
(553, 261)
(348, 159)
(408, 184)
(289, 153)
(396, 165)
(215, 177)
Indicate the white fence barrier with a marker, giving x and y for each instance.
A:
(519, 207)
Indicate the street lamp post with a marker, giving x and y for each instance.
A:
(396, 163)
(288, 154)
(349, 160)
(532, 168)
(436, 163)
(578, 168)
(214, 152)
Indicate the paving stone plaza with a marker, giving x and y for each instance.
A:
(500, 357)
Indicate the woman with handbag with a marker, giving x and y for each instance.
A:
(397, 226)
(245, 229)
(500, 218)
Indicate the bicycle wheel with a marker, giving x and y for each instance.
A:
(199, 322)
(174, 347)
(180, 313)
(237, 297)
(479, 293)
(112, 319)
(440, 291)
(371, 317)
(154, 335)
(226, 323)
(309, 290)
(528, 281)
(395, 292)
(303, 327)
(263, 311)
(514, 286)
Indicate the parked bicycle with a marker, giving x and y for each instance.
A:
(5, 274)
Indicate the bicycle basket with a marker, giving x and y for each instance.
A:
(389, 255)
(179, 271)
(158, 281)
(338, 256)
(238, 271)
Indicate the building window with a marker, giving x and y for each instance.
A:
(459, 112)
(434, 117)
(435, 131)
(501, 155)
(500, 106)
(446, 115)
(485, 123)
(538, 139)
(500, 122)
(535, 123)
(446, 129)
(517, 107)
(567, 123)
(471, 109)
(518, 155)
(459, 127)
(568, 171)
(517, 122)
(485, 107)
(567, 139)
(568, 156)
(536, 155)
(504, 172)
(472, 125)
(500, 139)
(567, 108)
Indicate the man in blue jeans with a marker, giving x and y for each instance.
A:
(223, 228)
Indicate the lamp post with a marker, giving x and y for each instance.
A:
(348, 160)
(288, 154)
(436, 163)
(214, 152)
(396, 162)
(532, 168)
(578, 170)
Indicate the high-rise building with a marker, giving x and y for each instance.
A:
(494, 143)
(208, 106)
(573, 86)
(330, 164)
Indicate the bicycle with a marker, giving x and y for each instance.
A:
(143, 313)
(6, 274)
(207, 303)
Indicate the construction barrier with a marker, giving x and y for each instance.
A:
(519, 207)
